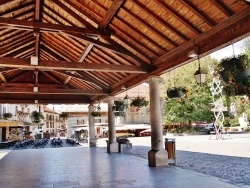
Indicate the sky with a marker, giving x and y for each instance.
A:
(236, 48)
(229, 51)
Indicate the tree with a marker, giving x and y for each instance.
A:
(195, 106)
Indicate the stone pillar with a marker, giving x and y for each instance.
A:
(92, 139)
(157, 156)
(112, 145)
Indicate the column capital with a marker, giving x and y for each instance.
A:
(90, 106)
(111, 97)
(154, 78)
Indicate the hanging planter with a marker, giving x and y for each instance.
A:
(139, 102)
(176, 92)
(63, 115)
(119, 108)
(97, 111)
(235, 70)
(36, 117)
(7, 115)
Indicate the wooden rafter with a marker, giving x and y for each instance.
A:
(22, 75)
(49, 86)
(115, 6)
(66, 81)
(222, 8)
(37, 30)
(85, 78)
(3, 77)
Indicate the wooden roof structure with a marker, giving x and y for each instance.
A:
(81, 51)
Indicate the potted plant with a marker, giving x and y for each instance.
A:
(235, 69)
(63, 115)
(36, 117)
(176, 92)
(119, 108)
(96, 114)
(139, 102)
(97, 111)
(7, 115)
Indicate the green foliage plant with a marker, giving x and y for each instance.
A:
(36, 117)
(139, 102)
(119, 108)
(7, 115)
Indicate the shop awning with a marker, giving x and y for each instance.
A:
(8, 123)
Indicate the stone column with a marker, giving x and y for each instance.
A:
(157, 156)
(112, 145)
(92, 139)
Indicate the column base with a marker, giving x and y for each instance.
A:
(113, 147)
(157, 158)
(92, 142)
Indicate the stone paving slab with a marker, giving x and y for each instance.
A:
(93, 167)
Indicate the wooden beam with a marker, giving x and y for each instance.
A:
(116, 4)
(85, 78)
(67, 80)
(229, 25)
(45, 101)
(54, 28)
(17, 85)
(3, 77)
(52, 91)
(69, 66)
(223, 9)
(85, 52)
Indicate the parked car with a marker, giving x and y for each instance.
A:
(210, 127)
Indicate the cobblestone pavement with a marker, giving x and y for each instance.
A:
(227, 159)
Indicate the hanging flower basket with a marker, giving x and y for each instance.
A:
(96, 114)
(139, 102)
(176, 92)
(97, 111)
(63, 115)
(235, 70)
(119, 108)
(7, 115)
(36, 117)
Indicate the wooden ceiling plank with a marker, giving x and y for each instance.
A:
(52, 53)
(200, 14)
(48, 27)
(179, 18)
(22, 50)
(2, 2)
(161, 21)
(110, 13)
(153, 30)
(50, 77)
(72, 13)
(3, 77)
(222, 8)
(22, 75)
(17, 8)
